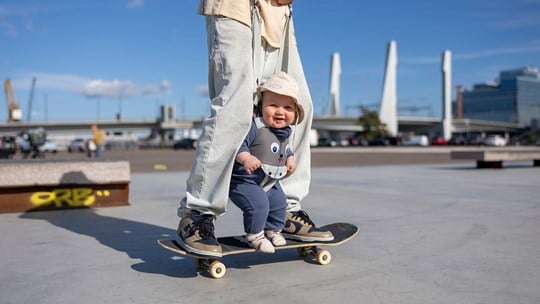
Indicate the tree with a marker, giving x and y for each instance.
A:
(370, 121)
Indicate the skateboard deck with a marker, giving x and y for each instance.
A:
(231, 245)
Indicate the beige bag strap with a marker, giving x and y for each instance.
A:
(282, 63)
(283, 56)
(285, 46)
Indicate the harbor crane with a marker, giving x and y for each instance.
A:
(14, 110)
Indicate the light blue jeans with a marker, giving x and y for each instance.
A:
(231, 84)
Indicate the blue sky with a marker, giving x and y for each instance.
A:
(85, 54)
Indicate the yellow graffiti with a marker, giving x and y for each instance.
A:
(103, 193)
(70, 197)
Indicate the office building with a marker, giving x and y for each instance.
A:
(513, 98)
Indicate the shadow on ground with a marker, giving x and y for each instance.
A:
(138, 240)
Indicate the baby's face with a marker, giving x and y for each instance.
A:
(278, 111)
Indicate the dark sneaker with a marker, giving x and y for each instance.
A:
(298, 226)
(197, 236)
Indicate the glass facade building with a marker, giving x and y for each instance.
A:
(513, 98)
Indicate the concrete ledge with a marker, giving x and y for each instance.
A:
(494, 157)
(57, 184)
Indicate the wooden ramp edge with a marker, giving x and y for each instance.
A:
(53, 185)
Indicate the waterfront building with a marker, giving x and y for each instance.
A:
(513, 98)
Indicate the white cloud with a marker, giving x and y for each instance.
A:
(121, 89)
(499, 51)
(29, 25)
(135, 3)
(91, 88)
(15, 19)
(8, 28)
(473, 55)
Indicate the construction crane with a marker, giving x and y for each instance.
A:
(14, 111)
(30, 99)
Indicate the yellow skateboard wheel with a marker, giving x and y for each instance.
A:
(323, 257)
(217, 270)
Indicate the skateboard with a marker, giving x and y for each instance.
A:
(230, 245)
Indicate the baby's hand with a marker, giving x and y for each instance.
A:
(291, 165)
(250, 162)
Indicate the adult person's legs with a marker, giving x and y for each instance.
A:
(231, 86)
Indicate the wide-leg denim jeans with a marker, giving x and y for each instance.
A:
(231, 84)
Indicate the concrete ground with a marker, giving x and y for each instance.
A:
(446, 233)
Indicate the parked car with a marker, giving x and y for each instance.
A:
(385, 141)
(495, 140)
(358, 141)
(77, 145)
(457, 140)
(475, 140)
(33, 143)
(326, 142)
(7, 146)
(23, 145)
(417, 140)
(80, 145)
(439, 141)
(49, 146)
(185, 143)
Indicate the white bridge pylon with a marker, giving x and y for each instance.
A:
(388, 109)
(333, 96)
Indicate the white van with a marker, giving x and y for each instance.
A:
(417, 140)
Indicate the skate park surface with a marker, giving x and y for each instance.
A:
(429, 233)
